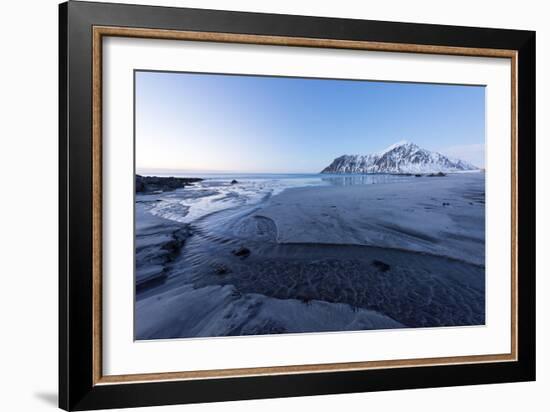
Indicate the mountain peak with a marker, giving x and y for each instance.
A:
(396, 145)
(400, 157)
(403, 143)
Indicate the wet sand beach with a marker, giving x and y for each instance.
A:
(403, 253)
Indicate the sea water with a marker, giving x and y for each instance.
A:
(218, 191)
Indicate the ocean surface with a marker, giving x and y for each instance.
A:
(297, 179)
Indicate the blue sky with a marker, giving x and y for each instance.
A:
(222, 123)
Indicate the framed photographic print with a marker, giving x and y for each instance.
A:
(256, 205)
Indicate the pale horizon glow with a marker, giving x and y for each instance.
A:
(201, 123)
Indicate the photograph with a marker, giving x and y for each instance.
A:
(274, 205)
(266, 205)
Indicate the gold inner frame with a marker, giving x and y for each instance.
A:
(100, 31)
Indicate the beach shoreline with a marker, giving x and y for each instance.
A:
(328, 257)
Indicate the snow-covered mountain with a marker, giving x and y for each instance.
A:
(401, 157)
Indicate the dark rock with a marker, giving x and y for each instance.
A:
(382, 266)
(439, 174)
(417, 175)
(156, 249)
(140, 186)
(234, 182)
(304, 299)
(147, 184)
(174, 246)
(241, 252)
(221, 269)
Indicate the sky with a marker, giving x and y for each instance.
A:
(192, 122)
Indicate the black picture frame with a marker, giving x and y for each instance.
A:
(77, 390)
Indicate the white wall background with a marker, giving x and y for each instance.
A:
(28, 218)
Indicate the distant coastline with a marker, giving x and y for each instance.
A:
(146, 184)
